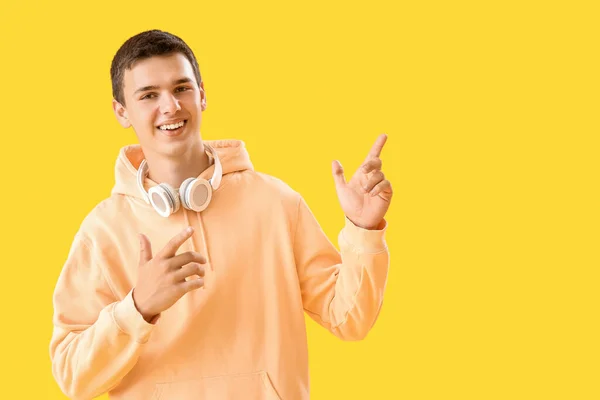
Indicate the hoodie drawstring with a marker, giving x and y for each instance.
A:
(204, 241)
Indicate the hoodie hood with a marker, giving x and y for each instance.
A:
(233, 155)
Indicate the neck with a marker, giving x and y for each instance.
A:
(174, 170)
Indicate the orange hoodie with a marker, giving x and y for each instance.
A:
(243, 335)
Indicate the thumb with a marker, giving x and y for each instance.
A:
(145, 249)
(338, 174)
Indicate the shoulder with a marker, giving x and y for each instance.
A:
(263, 184)
(101, 225)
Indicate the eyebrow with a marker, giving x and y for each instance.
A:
(177, 82)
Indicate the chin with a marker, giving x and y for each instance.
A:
(176, 148)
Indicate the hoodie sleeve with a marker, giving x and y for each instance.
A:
(96, 338)
(342, 291)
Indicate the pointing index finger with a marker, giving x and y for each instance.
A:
(171, 248)
(377, 147)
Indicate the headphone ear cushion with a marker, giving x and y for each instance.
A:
(183, 195)
(199, 194)
(172, 195)
(164, 199)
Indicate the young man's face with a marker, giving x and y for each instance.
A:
(161, 93)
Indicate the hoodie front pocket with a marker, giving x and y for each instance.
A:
(252, 386)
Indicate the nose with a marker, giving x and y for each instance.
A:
(169, 104)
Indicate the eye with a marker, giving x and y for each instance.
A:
(182, 89)
(146, 96)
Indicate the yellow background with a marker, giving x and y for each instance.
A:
(492, 114)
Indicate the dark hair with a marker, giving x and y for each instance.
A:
(142, 46)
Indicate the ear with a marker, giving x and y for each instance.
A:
(202, 97)
(121, 114)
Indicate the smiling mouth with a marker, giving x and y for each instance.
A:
(173, 129)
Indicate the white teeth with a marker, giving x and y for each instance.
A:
(171, 126)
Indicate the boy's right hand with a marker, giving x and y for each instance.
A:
(161, 279)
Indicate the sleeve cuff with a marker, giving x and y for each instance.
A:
(367, 240)
(130, 321)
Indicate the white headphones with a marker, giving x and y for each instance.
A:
(194, 193)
